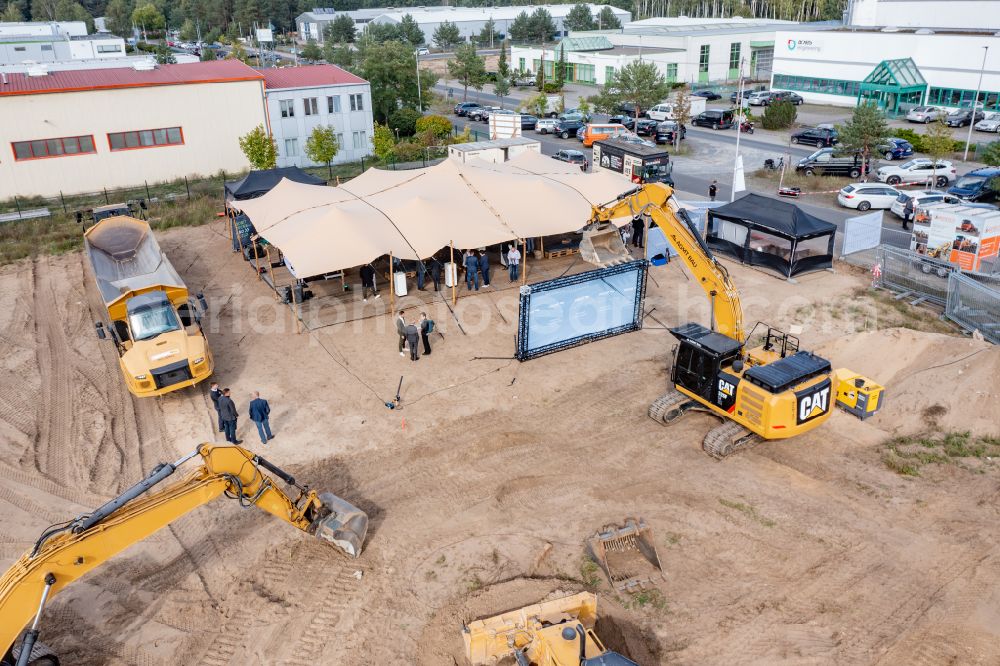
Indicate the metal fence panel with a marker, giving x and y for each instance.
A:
(974, 306)
(863, 232)
(915, 273)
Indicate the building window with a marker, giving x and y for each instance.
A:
(291, 147)
(312, 109)
(583, 73)
(734, 56)
(520, 64)
(340, 140)
(70, 145)
(170, 136)
(19, 48)
(357, 102)
(823, 86)
(609, 72)
(109, 48)
(359, 140)
(46, 47)
(703, 59)
(671, 71)
(333, 104)
(287, 108)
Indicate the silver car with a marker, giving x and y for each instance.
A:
(759, 98)
(546, 125)
(926, 114)
(991, 123)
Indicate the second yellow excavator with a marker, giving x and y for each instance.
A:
(772, 390)
(66, 551)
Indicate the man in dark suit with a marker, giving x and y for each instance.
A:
(228, 413)
(401, 329)
(368, 282)
(426, 326)
(413, 339)
(259, 412)
(436, 273)
(471, 270)
(484, 266)
(215, 393)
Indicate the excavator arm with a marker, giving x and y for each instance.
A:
(67, 551)
(656, 202)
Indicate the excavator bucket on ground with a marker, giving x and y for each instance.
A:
(627, 554)
(602, 245)
(341, 523)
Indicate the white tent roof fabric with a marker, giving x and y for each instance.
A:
(415, 213)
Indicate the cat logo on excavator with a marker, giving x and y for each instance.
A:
(813, 402)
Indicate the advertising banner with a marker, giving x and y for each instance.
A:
(573, 310)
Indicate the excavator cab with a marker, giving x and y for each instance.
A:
(700, 359)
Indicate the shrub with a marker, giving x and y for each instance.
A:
(552, 88)
(404, 120)
(779, 115)
(991, 154)
(407, 151)
(916, 140)
(438, 125)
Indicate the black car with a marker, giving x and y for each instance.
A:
(665, 131)
(571, 156)
(463, 108)
(784, 96)
(627, 121)
(710, 95)
(714, 118)
(628, 109)
(817, 136)
(645, 127)
(528, 122)
(567, 128)
(962, 117)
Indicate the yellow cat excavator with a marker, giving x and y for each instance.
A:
(66, 551)
(771, 391)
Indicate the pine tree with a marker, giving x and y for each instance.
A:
(469, 68)
(865, 131)
(502, 85)
(447, 36)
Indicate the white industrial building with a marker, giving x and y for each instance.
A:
(64, 41)
(43, 29)
(84, 130)
(897, 54)
(312, 24)
(302, 98)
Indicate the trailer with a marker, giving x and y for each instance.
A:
(637, 162)
(496, 151)
(151, 318)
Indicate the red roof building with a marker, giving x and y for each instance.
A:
(308, 76)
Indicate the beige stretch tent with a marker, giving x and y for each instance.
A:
(413, 214)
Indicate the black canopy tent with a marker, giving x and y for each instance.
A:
(259, 183)
(762, 231)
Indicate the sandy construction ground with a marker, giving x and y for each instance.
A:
(808, 551)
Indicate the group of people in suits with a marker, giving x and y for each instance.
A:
(225, 407)
(410, 335)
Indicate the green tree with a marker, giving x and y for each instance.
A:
(209, 54)
(542, 25)
(380, 32)
(311, 51)
(189, 32)
(148, 17)
(990, 154)
(779, 115)
(391, 69)
(606, 19)
(561, 68)
(540, 74)
(580, 18)
(865, 131)
(341, 30)
(12, 14)
(488, 36)
(164, 55)
(322, 146)
(502, 86)
(538, 105)
(447, 36)
(469, 68)
(70, 10)
(238, 52)
(341, 55)
(520, 29)
(383, 141)
(409, 31)
(43, 10)
(682, 112)
(404, 121)
(119, 17)
(439, 126)
(259, 148)
(639, 83)
(938, 144)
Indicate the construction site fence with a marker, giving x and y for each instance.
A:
(974, 304)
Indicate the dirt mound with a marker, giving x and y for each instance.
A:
(932, 380)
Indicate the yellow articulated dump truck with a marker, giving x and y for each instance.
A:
(153, 321)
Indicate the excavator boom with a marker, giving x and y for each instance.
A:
(67, 551)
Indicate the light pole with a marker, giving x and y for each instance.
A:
(737, 163)
(975, 100)
(416, 59)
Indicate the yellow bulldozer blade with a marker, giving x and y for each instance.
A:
(602, 245)
(528, 629)
(344, 525)
(627, 554)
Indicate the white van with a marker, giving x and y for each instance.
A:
(661, 112)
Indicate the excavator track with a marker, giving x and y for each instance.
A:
(728, 438)
(670, 406)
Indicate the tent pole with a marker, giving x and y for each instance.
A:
(274, 285)
(541, 244)
(524, 260)
(256, 259)
(392, 285)
(454, 278)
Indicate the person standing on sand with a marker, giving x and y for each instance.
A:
(215, 393)
(471, 270)
(513, 262)
(413, 339)
(227, 410)
(426, 326)
(484, 266)
(368, 282)
(260, 412)
(436, 273)
(401, 329)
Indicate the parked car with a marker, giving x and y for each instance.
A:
(546, 125)
(896, 149)
(759, 98)
(991, 123)
(665, 131)
(571, 156)
(963, 117)
(925, 114)
(423, 50)
(825, 163)
(628, 109)
(920, 170)
(865, 196)
(592, 132)
(627, 121)
(817, 136)
(645, 127)
(710, 95)
(784, 96)
(463, 108)
(574, 115)
(482, 113)
(634, 139)
(714, 118)
(528, 122)
(979, 185)
(567, 128)
(661, 112)
(906, 203)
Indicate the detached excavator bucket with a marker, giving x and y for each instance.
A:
(344, 525)
(627, 554)
(602, 245)
(490, 639)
